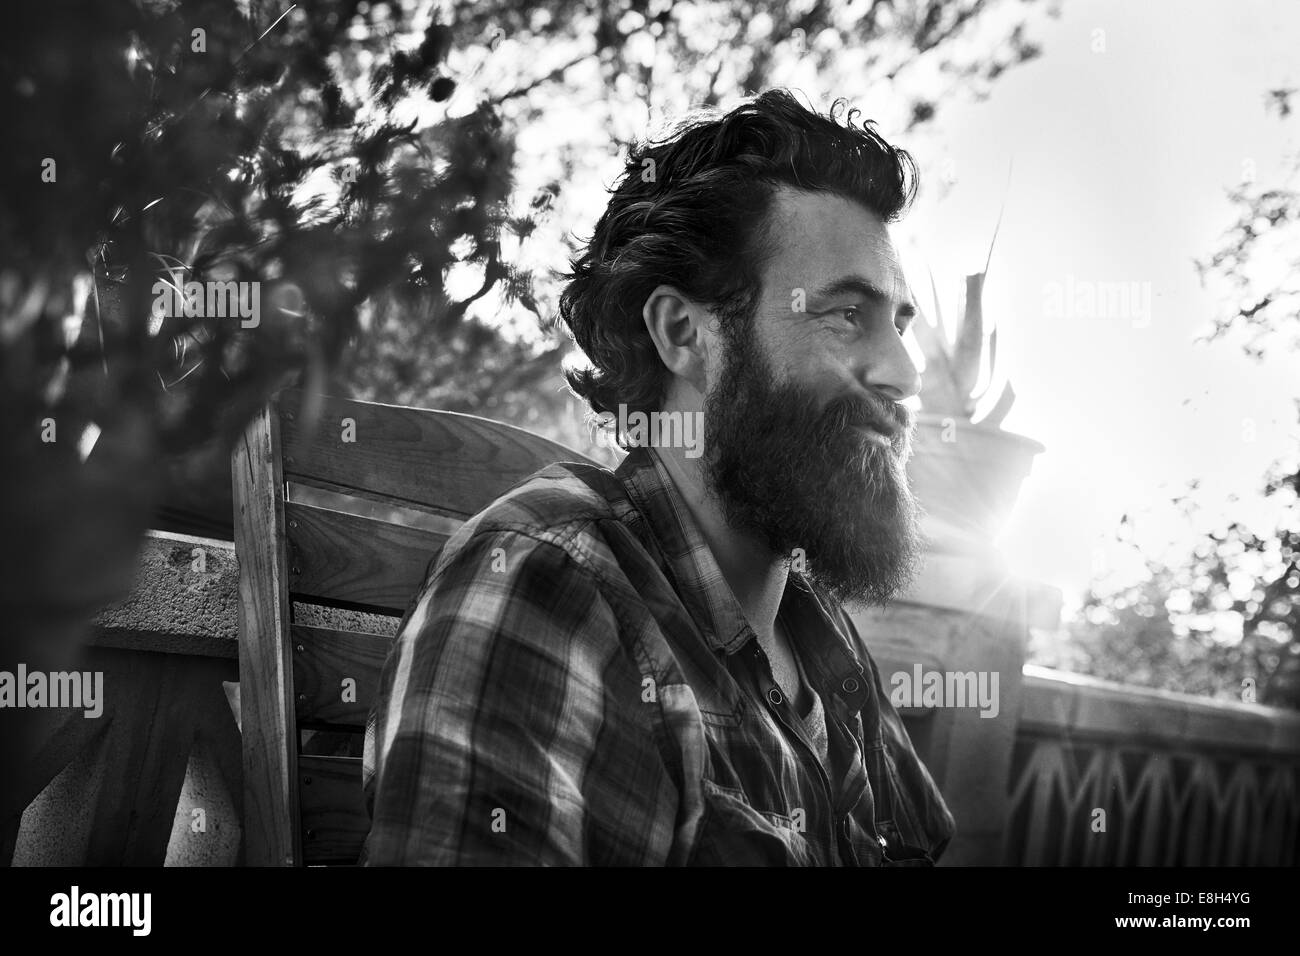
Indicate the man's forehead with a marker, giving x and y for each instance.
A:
(819, 238)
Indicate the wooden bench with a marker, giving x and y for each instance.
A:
(342, 504)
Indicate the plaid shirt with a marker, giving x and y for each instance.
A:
(576, 684)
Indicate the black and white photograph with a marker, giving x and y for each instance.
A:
(651, 433)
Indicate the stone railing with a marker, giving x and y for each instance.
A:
(157, 778)
(1108, 775)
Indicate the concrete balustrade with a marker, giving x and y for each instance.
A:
(1182, 779)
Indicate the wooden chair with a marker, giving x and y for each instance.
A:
(342, 504)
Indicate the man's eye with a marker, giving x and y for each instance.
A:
(850, 315)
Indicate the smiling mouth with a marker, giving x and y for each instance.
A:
(876, 435)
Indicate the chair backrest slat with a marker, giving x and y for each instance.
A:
(336, 674)
(334, 818)
(450, 462)
(344, 560)
(345, 504)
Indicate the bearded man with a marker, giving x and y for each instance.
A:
(664, 673)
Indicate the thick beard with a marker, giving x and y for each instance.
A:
(794, 474)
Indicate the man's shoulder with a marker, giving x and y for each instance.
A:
(556, 497)
(555, 505)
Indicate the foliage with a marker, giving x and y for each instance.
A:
(1255, 268)
(154, 141)
(233, 153)
(576, 82)
(1224, 623)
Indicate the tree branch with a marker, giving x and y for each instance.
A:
(527, 88)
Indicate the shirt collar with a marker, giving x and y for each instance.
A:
(695, 572)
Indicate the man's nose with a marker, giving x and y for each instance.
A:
(888, 368)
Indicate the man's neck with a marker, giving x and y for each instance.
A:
(756, 576)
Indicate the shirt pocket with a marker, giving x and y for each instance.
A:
(733, 832)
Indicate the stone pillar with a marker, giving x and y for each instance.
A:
(965, 613)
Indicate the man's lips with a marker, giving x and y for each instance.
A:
(881, 429)
(877, 434)
(884, 423)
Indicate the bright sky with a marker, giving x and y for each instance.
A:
(1121, 161)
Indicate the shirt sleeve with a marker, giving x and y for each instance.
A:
(507, 728)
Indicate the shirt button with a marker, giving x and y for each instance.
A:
(774, 695)
(850, 685)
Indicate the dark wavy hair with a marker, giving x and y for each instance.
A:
(690, 210)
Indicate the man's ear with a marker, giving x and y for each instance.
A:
(677, 327)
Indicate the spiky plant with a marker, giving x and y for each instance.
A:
(952, 368)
